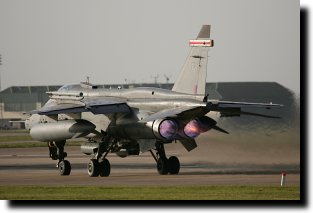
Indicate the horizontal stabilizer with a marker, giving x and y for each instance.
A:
(220, 129)
(233, 104)
(258, 114)
(229, 108)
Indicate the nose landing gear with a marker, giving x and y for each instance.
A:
(56, 152)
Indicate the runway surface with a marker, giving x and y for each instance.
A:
(32, 166)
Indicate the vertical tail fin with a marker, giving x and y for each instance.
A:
(192, 77)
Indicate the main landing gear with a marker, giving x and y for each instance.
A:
(56, 152)
(99, 165)
(165, 165)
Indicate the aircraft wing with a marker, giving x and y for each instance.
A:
(96, 106)
(59, 109)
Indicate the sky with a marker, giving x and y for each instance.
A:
(55, 42)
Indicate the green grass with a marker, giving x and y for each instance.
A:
(24, 141)
(15, 138)
(14, 131)
(29, 144)
(23, 145)
(149, 193)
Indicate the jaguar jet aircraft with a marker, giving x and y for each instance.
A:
(132, 121)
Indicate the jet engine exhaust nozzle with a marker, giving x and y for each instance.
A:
(171, 129)
(199, 125)
(168, 129)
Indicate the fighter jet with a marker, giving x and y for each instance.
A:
(133, 121)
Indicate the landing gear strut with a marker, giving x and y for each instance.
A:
(100, 165)
(56, 152)
(165, 165)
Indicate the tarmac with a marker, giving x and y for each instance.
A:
(204, 166)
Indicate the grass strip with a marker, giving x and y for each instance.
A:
(16, 138)
(149, 193)
(34, 144)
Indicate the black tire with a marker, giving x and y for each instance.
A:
(93, 168)
(105, 168)
(65, 168)
(173, 165)
(162, 166)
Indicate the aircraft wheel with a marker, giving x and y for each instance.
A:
(173, 165)
(162, 166)
(64, 167)
(93, 168)
(105, 168)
